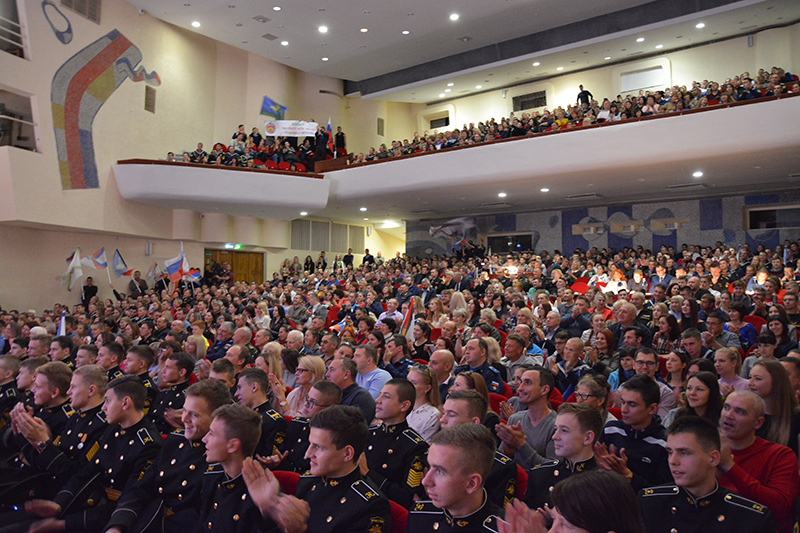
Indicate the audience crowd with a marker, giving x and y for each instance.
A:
(437, 384)
(256, 151)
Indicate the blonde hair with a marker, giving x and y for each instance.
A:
(493, 351)
(457, 301)
(315, 365)
(433, 397)
(201, 348)
(273, 348)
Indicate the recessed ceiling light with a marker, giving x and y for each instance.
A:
(607, 58)
(545, 189)
(363, 209)
(536, 64)
(276, 8)
(303, 213)
(365, 218)
(441, 95)
(478, 86)
(448, 90)
(364, 30)
(454, 16)
(502, 195)
(659, 46)
(323, 29)
(640, 40)
(405, 32)
(699, 25)
(698, 174)
(285, 43)
(450, 84)
(324, 58)
(196, 24)
(560, 68)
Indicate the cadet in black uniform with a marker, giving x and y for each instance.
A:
(251, 391)
(395, 454)
(177, 369)
(50, 404)
(696, 502)
(138, 361)
(469, 407)
(226, 505)
(127, 448)
(578, 426)
(9, 395)
(342, 500)
(293, 450)
(176, 476)
(460, 459)
(27, 371)
(108, 356)
(61, 455)
(61, 350)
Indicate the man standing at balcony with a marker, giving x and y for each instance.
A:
(584, 96)
(137, 286)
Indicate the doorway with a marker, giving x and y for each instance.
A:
(246, 266)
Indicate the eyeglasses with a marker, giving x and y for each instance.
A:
(646, 363)
(584, 396)
(300, 370)
(311, 403)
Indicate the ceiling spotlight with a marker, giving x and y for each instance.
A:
(324, 58)
(640, 40)
(405, 32)
(536, 64)
(441, 95)
(285, 43)
(276, 8)
(545, 189)
(323, 29)
(560, 69)
(448, 90)
(699, 25)
(450, 84)
(659, 46)
(365, 218)
(607, 58)
(363, 209)
(478, 86)
(454, 16)
(364, 30)
(303, 213)
(196, 24)
(502, 195)
(698, 174)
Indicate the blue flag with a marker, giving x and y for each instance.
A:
(271, 108)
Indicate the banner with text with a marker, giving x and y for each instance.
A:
(290, 128)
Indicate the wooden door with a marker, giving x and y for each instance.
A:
(246, 266)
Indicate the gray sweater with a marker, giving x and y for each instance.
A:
(539, 446)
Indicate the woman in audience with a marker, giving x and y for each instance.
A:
(499, 306)
(444, 344)
(436, 313)
(195, 345)
(725, 300)
(594, 391)
(462, 328)
(728, 365)
(746, 331)
(598, 323)
(602, 359)
(474, 308)
(690, 315)
(308, 265)
(278, 319)
(780, 329)
(378, 341)
(702, 399)
(469, 380)
(424, 417)
(599, 277)
(419, 307)
(669, 335)
(600, 302)
(296, 267)
(289, 360)
(626, 368)
(677, 365)
(457, 301)
(770, 380)
(422, 340)
(262, 319)
(310, 369)
(701, 365)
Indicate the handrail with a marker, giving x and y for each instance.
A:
(14, 22)
(578, 128)
(219, 167)
(17, 120)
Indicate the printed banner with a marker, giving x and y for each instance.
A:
(290, 128)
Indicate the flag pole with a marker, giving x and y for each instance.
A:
(109, 274)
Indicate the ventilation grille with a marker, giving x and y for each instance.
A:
(380, 126)
(89, 9)
(269, 36)
(320, 235)
(149, 99)
(301, 234)
(262, 19)
(339, 238)
(585, 196)
(357, 238)
(687, 187)
(530, 100)
(494, 205)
